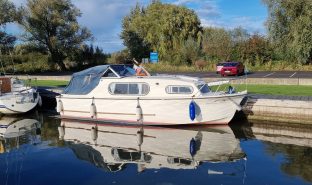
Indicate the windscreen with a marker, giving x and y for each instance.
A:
(230, 64)
(123, 70)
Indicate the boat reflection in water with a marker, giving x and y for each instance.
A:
(14, 132)
(113, 146)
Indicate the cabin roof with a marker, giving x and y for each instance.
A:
(167, 77)
(85, 81)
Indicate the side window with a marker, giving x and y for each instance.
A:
(133, 89)
(128, 89)
(171, 89)
(120, 89)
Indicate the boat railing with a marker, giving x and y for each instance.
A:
(228, 86)
(25, 98)
(21, 85)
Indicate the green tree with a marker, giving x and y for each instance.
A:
(7, 12)
(239, 37)
(131, 38)
(53, 26)
(289, 26)
(217, 43)
(257, 47)
(159, 27)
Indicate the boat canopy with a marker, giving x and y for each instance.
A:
(85, 81)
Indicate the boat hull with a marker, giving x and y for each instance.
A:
(173, 111)
(11, 103)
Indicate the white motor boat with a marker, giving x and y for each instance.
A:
(16, 97)
(114, 93)
(112, 146)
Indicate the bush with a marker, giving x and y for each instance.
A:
(27, 63)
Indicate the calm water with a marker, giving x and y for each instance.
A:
(40, 150)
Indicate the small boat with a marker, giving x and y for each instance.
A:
(115, 93)
(150, 147)
(16, 97)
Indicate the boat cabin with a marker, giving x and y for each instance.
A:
(123, 80)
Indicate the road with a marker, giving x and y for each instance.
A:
(258, 74)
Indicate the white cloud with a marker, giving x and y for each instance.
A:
(104, 19)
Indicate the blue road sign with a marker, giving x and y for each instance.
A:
(153, 57)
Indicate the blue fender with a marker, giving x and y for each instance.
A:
(192, 110)
(192, 147)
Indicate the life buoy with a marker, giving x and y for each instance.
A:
(140, 72)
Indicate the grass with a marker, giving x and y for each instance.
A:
(54, 83)
(290, 90)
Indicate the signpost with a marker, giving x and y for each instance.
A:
(153, 57)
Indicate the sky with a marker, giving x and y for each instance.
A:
(103, 17)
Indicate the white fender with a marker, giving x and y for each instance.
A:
(59, 107)
(94, 134)
(139, 113)
(61, 130)
(140, 134)
(92, 110)
(39, 100)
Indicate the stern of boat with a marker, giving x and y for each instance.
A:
(19, 102)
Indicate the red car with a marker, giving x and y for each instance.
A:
(232, 68)
(219, 67)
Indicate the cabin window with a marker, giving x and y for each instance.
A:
(204, 88)
(128, 89)
(179, 89)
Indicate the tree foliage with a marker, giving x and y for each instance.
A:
(289, 26)
(6, 42)
(236, 44)
(164, 28)
(7, 12)
(52, 25)
(87, 56)
(217, 43)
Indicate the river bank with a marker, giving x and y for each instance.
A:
(290, 109)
